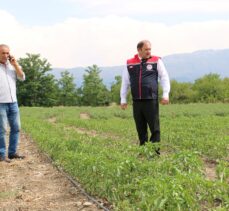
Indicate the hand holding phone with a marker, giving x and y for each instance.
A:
(11, 58)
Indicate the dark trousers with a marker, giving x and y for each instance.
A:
(146, 112)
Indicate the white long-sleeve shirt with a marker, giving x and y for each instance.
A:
(8, 79)
(163, 76)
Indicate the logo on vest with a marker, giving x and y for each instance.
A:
(149, 67)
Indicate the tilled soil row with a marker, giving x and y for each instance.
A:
(35, 184)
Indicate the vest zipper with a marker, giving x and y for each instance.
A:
(140, 82)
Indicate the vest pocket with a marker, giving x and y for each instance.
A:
(135, 92)
(149, 93)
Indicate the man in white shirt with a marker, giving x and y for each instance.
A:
(9, 111)
(141, 75)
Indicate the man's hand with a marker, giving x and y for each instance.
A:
(18, 69)
(12, 60)
(123, 106)
(164, 101)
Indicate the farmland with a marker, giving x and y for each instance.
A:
(98, 147)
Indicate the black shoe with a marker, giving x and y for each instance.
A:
(158, 151)
(4, 159)
(16, 156)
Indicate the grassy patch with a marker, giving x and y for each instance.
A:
(111, 165)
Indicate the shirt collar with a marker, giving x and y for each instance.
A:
(143, 59)
(6, 64)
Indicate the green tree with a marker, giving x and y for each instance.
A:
(226, 89)
(68, 95)
(181, 92)
(94, 91)
(40, 87)
(209, 88)
(115, 90)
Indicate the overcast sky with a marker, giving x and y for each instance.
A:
(72, 33)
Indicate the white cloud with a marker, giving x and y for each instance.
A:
(127, 7)
(109, 40)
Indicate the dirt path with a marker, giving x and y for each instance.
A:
(34, 184)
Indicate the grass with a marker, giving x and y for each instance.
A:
(7, 194)
(102, 153)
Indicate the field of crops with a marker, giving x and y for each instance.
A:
(99, 148)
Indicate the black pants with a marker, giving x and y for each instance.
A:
(146, 112)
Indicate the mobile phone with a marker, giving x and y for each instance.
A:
(10, 58)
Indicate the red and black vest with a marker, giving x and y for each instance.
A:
(143, 77)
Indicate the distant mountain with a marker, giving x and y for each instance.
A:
(182, 67)
(190, 66)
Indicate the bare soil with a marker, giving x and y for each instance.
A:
(84, 115)
(210, 169)
(35, 184)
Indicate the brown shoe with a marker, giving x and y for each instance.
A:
(16, 156)
(4, 159)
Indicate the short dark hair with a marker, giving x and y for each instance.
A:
(141, 44)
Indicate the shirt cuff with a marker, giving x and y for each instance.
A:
(123, 101)
(21, 78)
(165, 95)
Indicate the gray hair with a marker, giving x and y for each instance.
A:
(4, 46)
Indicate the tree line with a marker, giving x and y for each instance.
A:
(42, 89)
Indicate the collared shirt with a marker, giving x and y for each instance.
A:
(163, 76)
(8, 79)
